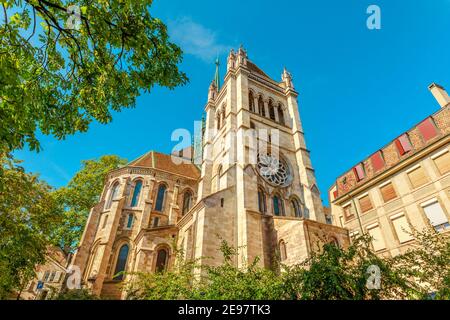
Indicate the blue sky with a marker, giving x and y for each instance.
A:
(359, 88)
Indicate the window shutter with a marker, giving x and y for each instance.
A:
(377, 161)
(403, 144)
(435, 214)
(348, 213)
(359, 172)
(427, 129)
(388, 192)
(402, 228)
(417, 177)
(377, 238)
(442, 162)
(365, 203)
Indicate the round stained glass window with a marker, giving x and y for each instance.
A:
(274, 170)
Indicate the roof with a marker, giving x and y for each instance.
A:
(255, 69)
(348, 181)
(164, 162)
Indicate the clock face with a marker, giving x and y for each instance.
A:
(274, 170)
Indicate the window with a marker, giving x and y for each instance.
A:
(328, 219)
(271, 111)
(262, 201)
(130, 221)
(282, 248)
(278, 207)
(436, 215)
(112, 195)
(46, 276)
(417, 177)
(348, 212)
(388, 192)
(251, 102)
(296, 209)
(401, 227)
(261, 108)
(341, 221)
(280, 115)
(121, 262)
(52, 276)
(187, 202)
(218, 120)
(161, 260)
(442, 162)
(377, 161)
(160, 198)
(403, 144)
(428, 129)
(155, 222)
(377, 238)
(365, 203)
(359, 172)
(136, 193)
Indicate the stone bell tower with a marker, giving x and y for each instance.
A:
(256, 168)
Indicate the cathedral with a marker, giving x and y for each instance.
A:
(249, 181)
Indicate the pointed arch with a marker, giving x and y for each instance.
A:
(262, 110)
(280, 114)
(187, 202)
(162, 259)
(262, 204)
(136, 193)
(130, 220)
(278, 205)
(113, 193)
(121, 262)
(271, 110)
(296, 208)
(160, 197)
(251, 101)
(282, 249)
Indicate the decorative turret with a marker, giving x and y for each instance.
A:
(217, 75)
(286, 77)
(212, 93)
(242, 56)
(231, 61)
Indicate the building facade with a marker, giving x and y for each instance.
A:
(406, 183)
(255, 188)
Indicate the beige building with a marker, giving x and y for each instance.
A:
(50, 276)
(255, 188)
(407, 182)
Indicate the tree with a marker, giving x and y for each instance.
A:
(66, 63)
(79, 196)
(427, 264)
(28, 213)
(337, 273)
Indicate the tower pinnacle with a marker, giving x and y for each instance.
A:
(217, 75)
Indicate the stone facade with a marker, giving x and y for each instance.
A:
(406, 183)
(234, 196)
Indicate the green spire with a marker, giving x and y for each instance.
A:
(217, 76)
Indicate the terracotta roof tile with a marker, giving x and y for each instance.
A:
(161, 161)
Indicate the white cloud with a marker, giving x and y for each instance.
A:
(195, 39)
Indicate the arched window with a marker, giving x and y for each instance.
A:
(278, 207)
(271, 111)
(130, 220)
(280, 114)
(121, 262)
(160, 198)
(282, 248)
(136, 193)
(187, 202)
(161, 260)
(219, 174)
(262, 201)
(261, 108)
(296, 208)
(251, 102)
(334, 241)
(112, 195)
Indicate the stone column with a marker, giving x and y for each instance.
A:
(173, 210)
(256, 104)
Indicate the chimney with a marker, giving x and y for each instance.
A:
(439, 94)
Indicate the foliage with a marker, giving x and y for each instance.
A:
(28, 213)
(428, 264)
(58, 75)
(342, 274)
(333, 273)
(79, 196)
(76, 294)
